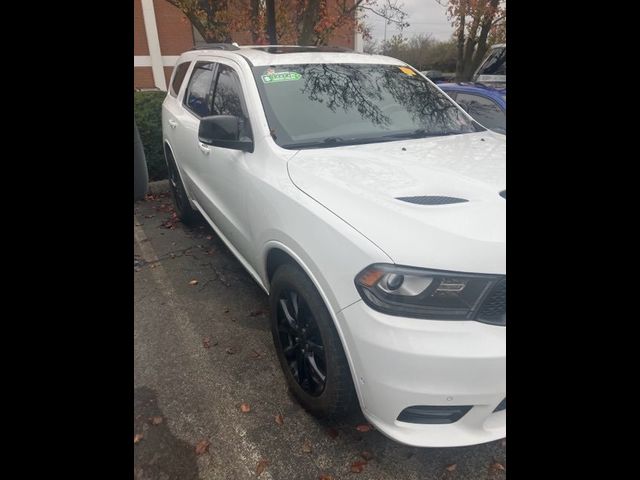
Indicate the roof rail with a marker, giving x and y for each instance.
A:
(216, 46)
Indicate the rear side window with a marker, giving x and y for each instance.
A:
(484, 110)
(178, 77)
(198, 96)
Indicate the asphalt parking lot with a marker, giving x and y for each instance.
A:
(203, 353)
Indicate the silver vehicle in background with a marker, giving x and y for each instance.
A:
(493, 70)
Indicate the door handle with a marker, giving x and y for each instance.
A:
(173, 123)
(204, 148)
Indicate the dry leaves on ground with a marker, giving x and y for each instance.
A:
(497, 466)
(306, 447)
(279, 419)
(451, 467)
(325, 477)
(230, 350)
(245, 408)
(262, 464)
(138, 437)
(332, 432)
(202, 447)
(255, 313)
(364, 427)
(156, 420)
(366, 455)
(193, 282)
(358, 466)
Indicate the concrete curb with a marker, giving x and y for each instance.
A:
(161, 186)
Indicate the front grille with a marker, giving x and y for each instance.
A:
(494, 307)
(502, 405)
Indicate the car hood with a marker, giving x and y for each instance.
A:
(362, 183)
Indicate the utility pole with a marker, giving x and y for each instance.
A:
(271, 22)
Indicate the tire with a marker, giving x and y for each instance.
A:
(186, 213)
(319, 350)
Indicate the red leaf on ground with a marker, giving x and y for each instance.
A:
(206, 343)
(364, 427)
(279, 419)
(366, 455)
(451, 467)
(262, 464)
(332, 432)
(202, 447)
(306, 447)
(358, 466)
(245, 408)
(138, 437)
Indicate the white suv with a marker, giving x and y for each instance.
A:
(371, 208)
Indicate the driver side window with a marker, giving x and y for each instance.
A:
(228, 99)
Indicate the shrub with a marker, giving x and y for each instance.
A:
(148, 115)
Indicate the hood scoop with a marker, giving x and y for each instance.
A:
(432, 200)
(503, 194)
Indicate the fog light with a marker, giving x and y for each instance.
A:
(433, 414)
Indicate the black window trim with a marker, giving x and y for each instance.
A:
(214, 80)
(175, 71)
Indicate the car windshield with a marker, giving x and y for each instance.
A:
(496, 63)
(326, 105)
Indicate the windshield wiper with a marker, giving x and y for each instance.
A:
(419, 133)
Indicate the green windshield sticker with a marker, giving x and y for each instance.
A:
(273, 77)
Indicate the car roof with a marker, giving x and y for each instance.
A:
(263, 55)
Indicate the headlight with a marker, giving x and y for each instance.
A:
(432, 294)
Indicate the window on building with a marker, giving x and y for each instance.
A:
(198, 96)
(178, 78)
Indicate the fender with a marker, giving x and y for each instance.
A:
(268, 246)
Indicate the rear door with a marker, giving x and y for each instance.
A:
(196, 103)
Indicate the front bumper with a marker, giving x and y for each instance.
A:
(402, 362)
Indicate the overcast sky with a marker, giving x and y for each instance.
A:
(424, 16)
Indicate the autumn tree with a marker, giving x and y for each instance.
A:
(302, 22)
(478, 24)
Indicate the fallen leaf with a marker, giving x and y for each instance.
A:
(279, 419)
(366, 455)
(326, 477)
(156, 420)
(209, 237)
(306, 447)
(262, 464)
(364, 427)
(230, 350)
(332, 432)
(451, 467)
(202, 447)
(245, 408)
(255, 354)
(206, 343)
(358, 466)
(138, 437)
(255, 313)
(193, 282)
(498, 466)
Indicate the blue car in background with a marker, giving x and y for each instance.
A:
(485, 104)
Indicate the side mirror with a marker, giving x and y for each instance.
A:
(224, 131)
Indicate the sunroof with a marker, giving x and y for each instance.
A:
(299, 49)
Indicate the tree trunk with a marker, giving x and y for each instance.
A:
(482, 47)
(460, 54)
(271, 22)
(308, 22)
(255, 14)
